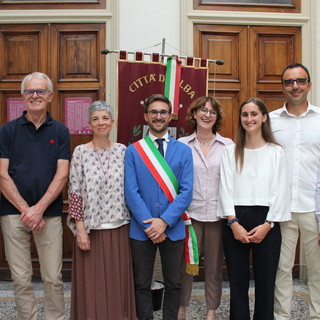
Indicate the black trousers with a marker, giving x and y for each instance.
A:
(265, 258)
(143, 256)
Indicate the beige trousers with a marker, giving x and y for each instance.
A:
(307, 224)
(17, 243)
(209, 237)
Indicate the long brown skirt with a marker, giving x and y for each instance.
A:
(102, 279)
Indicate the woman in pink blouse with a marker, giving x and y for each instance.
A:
(204, 116)
(102, 277)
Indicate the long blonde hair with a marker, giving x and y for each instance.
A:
(266, 131)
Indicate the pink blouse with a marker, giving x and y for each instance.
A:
(206, 177)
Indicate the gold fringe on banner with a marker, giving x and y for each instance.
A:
(192, 269)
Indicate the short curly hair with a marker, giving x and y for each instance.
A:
(197, 104)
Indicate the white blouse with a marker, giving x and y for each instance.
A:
(262, 181)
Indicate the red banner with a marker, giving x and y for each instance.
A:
(137, 81)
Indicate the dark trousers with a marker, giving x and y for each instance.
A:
(143, 256)
(265, 258)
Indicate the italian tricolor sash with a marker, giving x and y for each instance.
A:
(167, 181)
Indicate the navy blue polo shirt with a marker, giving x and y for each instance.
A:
(33, 155)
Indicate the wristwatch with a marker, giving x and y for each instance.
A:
(271, 223)
(230, 222)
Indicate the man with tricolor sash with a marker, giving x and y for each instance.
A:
(158, 190)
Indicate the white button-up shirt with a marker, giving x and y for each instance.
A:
(300, 138)
(165, 141)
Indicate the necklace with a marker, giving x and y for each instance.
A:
(205, 143)
(101, 166)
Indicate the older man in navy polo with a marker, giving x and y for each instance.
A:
(34, 166)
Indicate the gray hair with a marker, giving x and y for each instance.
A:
(100, 106)
(36, 75)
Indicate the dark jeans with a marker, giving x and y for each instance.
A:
(143, 256)
(265, 258)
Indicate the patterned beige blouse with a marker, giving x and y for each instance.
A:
(96, 187)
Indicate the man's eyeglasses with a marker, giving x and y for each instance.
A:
(204, 111)
(154, 113)
(39, 92)
(298, 81)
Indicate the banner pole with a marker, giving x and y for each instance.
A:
(217, 61)
(163, 49)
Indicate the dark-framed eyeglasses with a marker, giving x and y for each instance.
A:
(204, 111)
(154, 113)
(298, 81)
(39, 92)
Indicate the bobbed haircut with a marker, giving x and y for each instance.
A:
(100, 106)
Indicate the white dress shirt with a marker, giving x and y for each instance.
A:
(165, 141)
(300, 138)
(262, 182)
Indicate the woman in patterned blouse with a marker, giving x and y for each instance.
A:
(102, 279)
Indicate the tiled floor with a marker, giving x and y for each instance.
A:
(197, 309)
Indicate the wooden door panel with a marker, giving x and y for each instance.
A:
(229, 102)
(272, 49)
(222, 42)
(273, 99)
(274, 54)
(77, 56)
(77, 65)
(77, 62)
(218, 45)
(20, 50)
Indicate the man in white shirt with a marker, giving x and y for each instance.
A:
(296, 126)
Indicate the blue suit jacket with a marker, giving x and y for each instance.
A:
(146, 200)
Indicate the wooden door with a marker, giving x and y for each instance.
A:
(70, 55)
(254, 58)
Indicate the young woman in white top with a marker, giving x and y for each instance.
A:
(253, 197)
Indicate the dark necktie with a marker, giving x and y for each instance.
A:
(160, 145)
